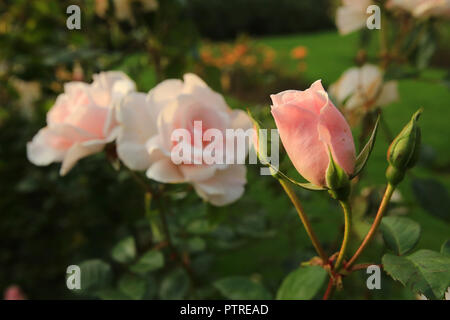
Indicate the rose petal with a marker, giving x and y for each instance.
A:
(165, 171)
(225, 187)
(136, 127)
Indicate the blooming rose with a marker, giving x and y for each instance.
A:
(309, 126)
(352, 16)
(363, 87)
(423, 8)
(147, 123)
(81, 121)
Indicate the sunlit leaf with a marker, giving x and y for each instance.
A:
(400, 234)
(302, 284)
(424, 272)
(124, 251)
(150, 261)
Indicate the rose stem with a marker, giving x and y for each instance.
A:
(330, 290)
(348, 222)
(296, 202)
(383, 206)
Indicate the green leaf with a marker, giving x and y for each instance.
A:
(95, 274)
(445, 248)
(424, 272)
(363, 156)
(302, 284)
(150, 261)
(241, 288)
(400, 234)
(133, 286)
(174, 286)
(433, 197)
(124, 251)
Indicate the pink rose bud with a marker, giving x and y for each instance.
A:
(310, 126)
(14, 293)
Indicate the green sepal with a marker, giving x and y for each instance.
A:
(304, 185)
(337, 179)
(363, 156)
(261, 151)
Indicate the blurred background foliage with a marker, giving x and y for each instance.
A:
(245, 49)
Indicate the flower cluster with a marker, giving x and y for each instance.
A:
(88, 116)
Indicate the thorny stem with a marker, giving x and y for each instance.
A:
(296, 202)
(383, 206)
(330, 289)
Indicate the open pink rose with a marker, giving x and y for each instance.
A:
(310, 125)
(145, 140)
(81, 121)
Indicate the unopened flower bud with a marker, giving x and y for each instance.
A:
(403, 152)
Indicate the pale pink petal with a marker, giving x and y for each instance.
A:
(163, 94)
(277, 99)
(306, 99)
(77, 152)
(136, 127)
(335, 132)
(196, 172)
(89, 118)
(240, 120)
(39, 150)
(192, 80)
(165, 171)
(298, 129)
(225, 187)
(51, 144)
